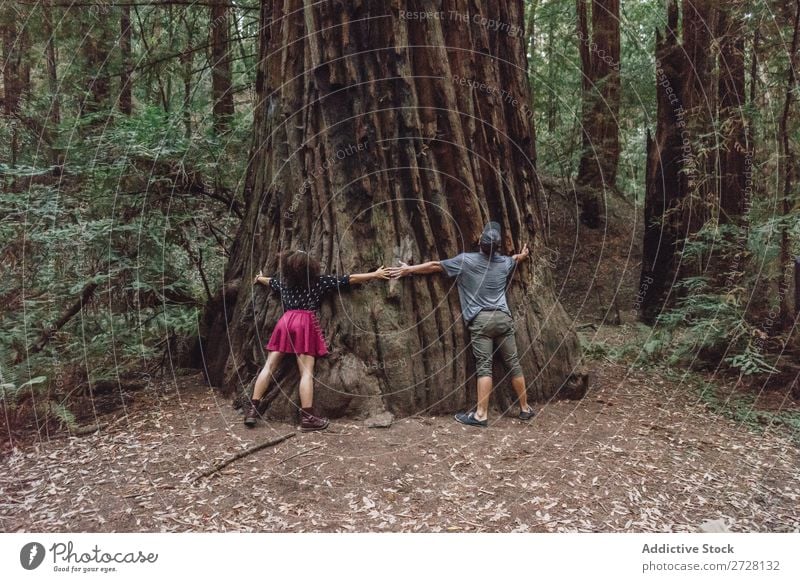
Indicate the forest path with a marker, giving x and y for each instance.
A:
(639, 453)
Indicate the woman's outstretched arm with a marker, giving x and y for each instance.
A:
(260, 278)
(381, 273)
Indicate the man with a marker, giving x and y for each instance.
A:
(482, 279)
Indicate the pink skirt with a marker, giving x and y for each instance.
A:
(298, 332)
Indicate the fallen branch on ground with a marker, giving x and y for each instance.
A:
(87, 430)
(242, 454)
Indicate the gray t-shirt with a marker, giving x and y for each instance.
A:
(481, 281)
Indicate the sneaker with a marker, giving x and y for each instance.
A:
(468, 418)
(310, 421)
(527, 414)
(251, 415)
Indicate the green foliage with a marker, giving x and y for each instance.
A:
(126, 215)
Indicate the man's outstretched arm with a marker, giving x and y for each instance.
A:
(405, 270)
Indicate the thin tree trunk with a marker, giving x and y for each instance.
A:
(552, 108)
(788, 158)
(12, 81)
(754, 65)
(221, 92)
(54, 113)
(96, 52)
(165, 96)
(734, 146)
(370, 146)
(186, 66)
(600, 56)
(52, 71)
(126, 93)
(530, 34)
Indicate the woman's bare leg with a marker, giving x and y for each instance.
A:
(306, 365)
(262, 382)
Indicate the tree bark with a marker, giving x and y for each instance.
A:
(52, 71)
(96, 49)
(664, 187)
(373, 145)
(698, 99)
(126, 88)
(221, 92)
(600, 57)
(681, 193)
(789, 174)
(734, 142)
(12, 77)
(530, 35)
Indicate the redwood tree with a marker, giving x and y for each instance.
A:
(600, 55)
(125, 91)
(665, 187)
(221, 92)
(734, 145)
(680, 189)
(381, 137)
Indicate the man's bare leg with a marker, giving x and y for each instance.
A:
(484, 391)
(522, 394)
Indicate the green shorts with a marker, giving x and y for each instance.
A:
(487, 328)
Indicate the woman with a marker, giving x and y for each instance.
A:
(298, 332)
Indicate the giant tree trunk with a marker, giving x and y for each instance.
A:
(369, 149)
(600, 54)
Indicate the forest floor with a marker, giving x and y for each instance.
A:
(641, 452)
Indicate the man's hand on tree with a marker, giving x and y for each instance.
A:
(403, 270)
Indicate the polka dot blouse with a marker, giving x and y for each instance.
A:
(308, 298)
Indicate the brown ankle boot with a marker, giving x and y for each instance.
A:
(310, 421)
(251, 415)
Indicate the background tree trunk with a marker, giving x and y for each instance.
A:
(665, 187)
(371, 147)
(125, 92)
(96, 48)
(789, 174)
(734, 146)
(221, 92)
(600, 57)
(12, 76)
(698, 99)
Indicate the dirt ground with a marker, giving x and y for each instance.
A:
(637, 454)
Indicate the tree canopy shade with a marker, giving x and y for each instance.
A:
(383, 133)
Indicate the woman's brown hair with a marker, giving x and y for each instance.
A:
(298, 269)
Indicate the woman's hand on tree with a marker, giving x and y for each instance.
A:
(381, 273)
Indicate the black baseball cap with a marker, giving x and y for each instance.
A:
(491, 234)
